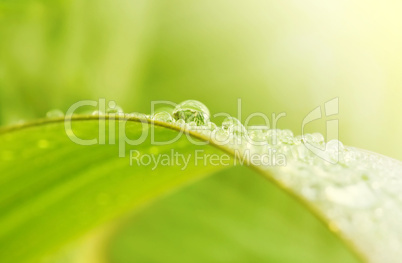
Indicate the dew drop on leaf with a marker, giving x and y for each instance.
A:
(335, 146)
(272, 136)
(256, 135)
(308, 138)
(96, 113)
(286, 136)
(211, 126)
(163, 116)
(56, 113)
(335, 149)
(192, 124)
(318, 137)
(191, 110)
(221, 135)
(234, 126)
(180, 122)
(136, 115)
(114, 108)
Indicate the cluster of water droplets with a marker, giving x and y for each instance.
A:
(350, 186)
(359, 192)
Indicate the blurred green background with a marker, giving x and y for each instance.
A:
(283, 56)
(277, 56)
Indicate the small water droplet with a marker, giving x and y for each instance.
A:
(308, 138)
(114, 108)
(180, 122)
(206, 129)
(56, 113)
(205, 132)
(286, 136)
(220, 135)
(335, 146)
(97, 113)
(272, 136)
(136, 115)
(315, 139)
(163, 116)
(211, 126)
(192, 125)
(257, 135)
(287, 133)
(350, 156)
(233, 126)
(318, 137)
(301, 152)
(191, 110)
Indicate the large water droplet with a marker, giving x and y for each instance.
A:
(191, 110)
(56, 113)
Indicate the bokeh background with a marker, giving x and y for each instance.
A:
(277, 56)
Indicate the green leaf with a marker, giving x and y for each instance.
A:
(233, 216)
(53, 192)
